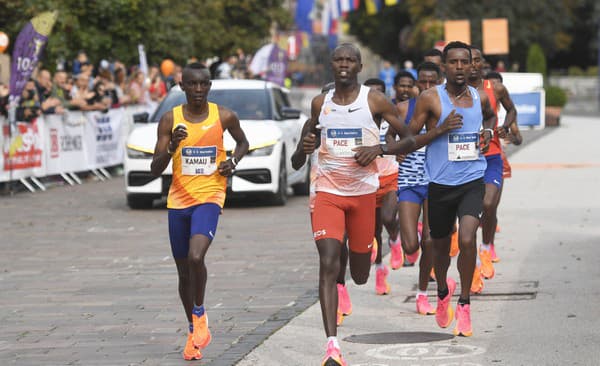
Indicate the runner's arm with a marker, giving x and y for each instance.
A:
(165, 146)
(312, 138)
(425, 115)
(231, 123)
(509, 106)
(299, 157)
(489, 121)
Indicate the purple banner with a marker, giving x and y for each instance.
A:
(29, 46)
(277, 65)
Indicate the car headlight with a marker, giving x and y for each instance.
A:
(137, 153)
(263, 150)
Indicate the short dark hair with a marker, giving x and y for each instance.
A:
(375, 81)
(196, 66)
(348, 45)
(433, 52)
(403, 74)
(493, 75)
(429, 66)
(455, 45)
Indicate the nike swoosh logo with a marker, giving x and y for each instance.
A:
(370, 246)
(207, 127)
(350, 110)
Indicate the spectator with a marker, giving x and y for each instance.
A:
(80, 92)
(240, 71)
(99, 100)
(387, 74)
(79, 61)
(105, 76)
(225, 69)
(29, 105)
(61, 89)
(137, 88)
(48, 103)
(121, 84)
(157, 89)
(500, 66)
(408, 66)
(3, 100)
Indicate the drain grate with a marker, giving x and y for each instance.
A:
(497, 291)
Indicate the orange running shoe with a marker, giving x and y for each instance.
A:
(497, 229)
(189, 351)
(495, 258)
(463, 321)
(374, 250)
(382, 287)
(444, 313)
(202, 335)
(454, 249)
(477, 283)
(344, 304)
(339, 318)
(487, 267)
(333, 356)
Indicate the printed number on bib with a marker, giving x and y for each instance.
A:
(198, 160)
(463, 146)
(341, 141)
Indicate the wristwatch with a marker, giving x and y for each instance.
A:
(384, 149)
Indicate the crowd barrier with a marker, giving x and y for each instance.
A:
(65, 144)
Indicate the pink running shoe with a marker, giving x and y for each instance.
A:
(344, 304)
(381, 285)
(495, 258)
(374, 250)
(463, 321)
(412, 258)
(333, 356)
(444, 312)
(396, 254)
(423, 306)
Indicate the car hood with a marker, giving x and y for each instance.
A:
(258, 133)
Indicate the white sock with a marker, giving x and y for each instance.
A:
(380, 265)
(485, 247)
(477, 261)
(334, 340)
(421, 293)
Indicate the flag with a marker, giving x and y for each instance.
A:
(373, 6)
(29, 46)
(277, 65)
(302, 18)
(391, 2)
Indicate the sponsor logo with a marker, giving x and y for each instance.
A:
(319, 233)
(350, 110)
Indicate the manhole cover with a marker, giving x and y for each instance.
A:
(398, 337)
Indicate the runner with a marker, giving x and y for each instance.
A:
(385, 213)
(412, 191)
(192, 134)
(434, 55)
(347, 178)
(496, 92)
(404, 82)
(453, 115)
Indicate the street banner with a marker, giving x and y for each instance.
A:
(28, 48)
(23, 150)
(495, 36)
(65, 144)
(104, 138)
(457, 30)
(530, 109)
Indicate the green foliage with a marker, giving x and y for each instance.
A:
(536, 60)
(592, 71)
(555, 96)
(112, 29)
(575, 71)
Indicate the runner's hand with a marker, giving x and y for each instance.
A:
(366, 154)
(502, 131)
(400, 158)
(179, 134)
(226, 168)
(454, 121)
(309, 143)
(486, 137)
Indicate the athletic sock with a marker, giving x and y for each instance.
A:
(421, 293)
(380, 265)
(443, 293)
(198, 310)
(485, 247)
(334, 340)
(462, 301)
(191, 327)
(343, 282)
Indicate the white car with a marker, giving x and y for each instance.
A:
(271, 126)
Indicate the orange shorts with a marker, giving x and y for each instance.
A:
(387, 184)
(506, 168)
(335, 215)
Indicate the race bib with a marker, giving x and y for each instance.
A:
(198, 160)
(341, 141)
(463, 146)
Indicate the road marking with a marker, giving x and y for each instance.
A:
(424, 352)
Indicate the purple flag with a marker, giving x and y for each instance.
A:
(277, 65)
(29, 46)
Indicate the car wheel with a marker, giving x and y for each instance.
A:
(280, 197)
(138, 202)
(303, 188)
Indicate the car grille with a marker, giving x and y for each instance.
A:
(258, 176)
(138, 179)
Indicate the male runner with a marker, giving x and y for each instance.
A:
(192, 134)
(496, 92)
(453, 115)
(347, 179)
(385, 213)
(404, 83)
(412, 191)
(434, 55)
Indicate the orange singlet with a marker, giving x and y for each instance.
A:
(196, 179)
(495, 147)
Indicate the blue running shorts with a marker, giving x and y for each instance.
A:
(187, 222)
(415, 194)
(493, 172)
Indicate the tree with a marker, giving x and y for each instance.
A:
(536, 61)
(112, 29)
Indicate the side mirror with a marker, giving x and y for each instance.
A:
(141, 117)
(290, 113)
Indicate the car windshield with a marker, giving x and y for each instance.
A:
(249, 104)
